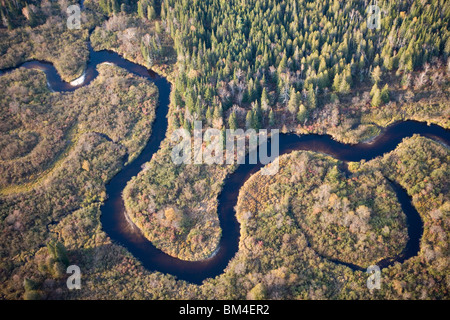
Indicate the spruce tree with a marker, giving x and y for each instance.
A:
(141, 10)
(302, 113)
(312, 101)
(272, 120)
(257, 114)
(292, 105)
(385, 93)
(249, 119)
(209, 115)
(151, 13)
(376, 75)
(376, 98)
(217, 112)
(264, 100)
(232, 121)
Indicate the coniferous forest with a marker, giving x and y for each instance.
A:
(300, 66)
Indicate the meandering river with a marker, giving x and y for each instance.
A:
(119, 229)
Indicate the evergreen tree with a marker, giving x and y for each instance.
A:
(217, 112)
(312, 101)
(209, 116)
(58, 252)
(151, 13)
(376, 98)
(337, 82)
(376, 75)
(272, 121)
(384, 95)
(256, 124)
(344, 86)
(302, 113)
(374, 88)
(141, 10)
(249, 119)
(190, 104)
(264, 100)
(293, 103)
(232, 121)
(115, 6)
(187, 125)
(158, 27)
(257, 113)
(176, 122)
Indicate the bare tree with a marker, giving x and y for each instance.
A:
(421, 80)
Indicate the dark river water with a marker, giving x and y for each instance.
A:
(120, 230)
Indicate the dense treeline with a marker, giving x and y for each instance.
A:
(18, 12)
(144, 8)
(271, 54)
(353, 117)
